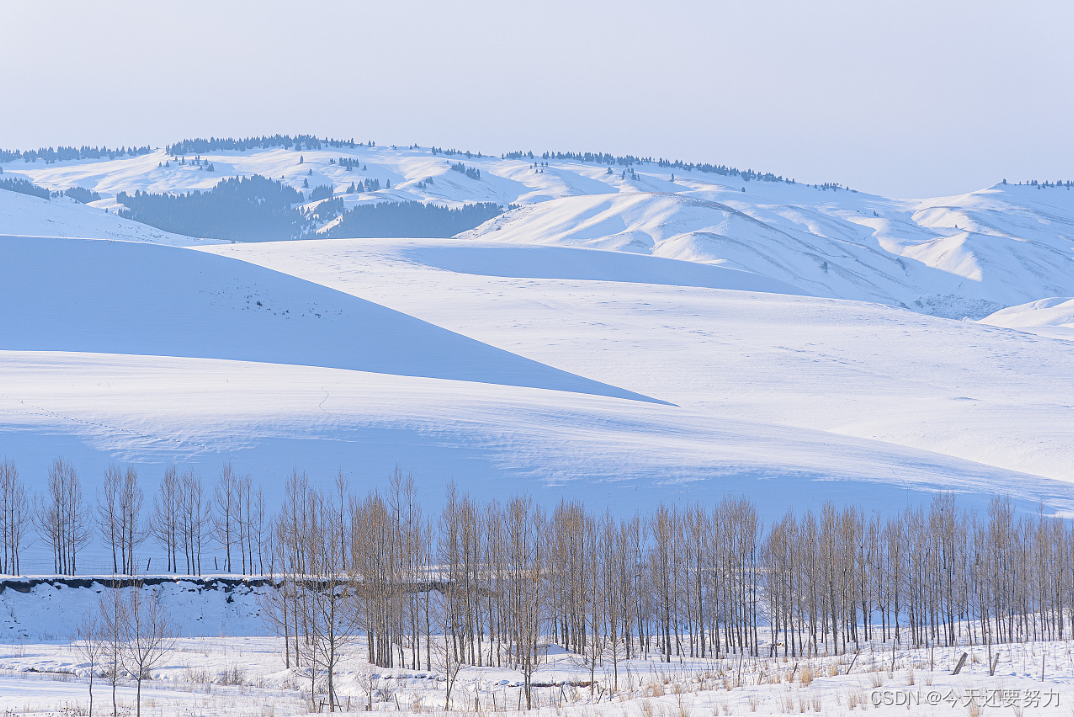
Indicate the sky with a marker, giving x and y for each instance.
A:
(903, 98)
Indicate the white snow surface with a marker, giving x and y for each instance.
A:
(624, 340)
(849, 368)
(24, 215)
(52, 608)
(1052, 317)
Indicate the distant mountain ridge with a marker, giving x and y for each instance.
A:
(963, 256)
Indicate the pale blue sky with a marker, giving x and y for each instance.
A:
(904, 98)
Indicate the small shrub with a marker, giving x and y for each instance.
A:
(199, 676)
(233, 676)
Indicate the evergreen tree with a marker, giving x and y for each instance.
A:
(238, 209)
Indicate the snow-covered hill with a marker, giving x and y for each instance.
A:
(619, 337)
(23, 215)
(854, 247)
(1047, 317)
(76, 295)
(950, 387)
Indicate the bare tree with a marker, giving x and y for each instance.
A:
(259, 531)
(108, 520)
(112, 609)
(226, 510)
(374, 546)
(663, 564)
(91, 645)
(446, 659)
(61, 518)
(119, 516)
(525, 523)
(193, 520)
(316, 599)
(335, 599)
(244, 510)
(14, 518)
(274, 604)
(147, 636)
(167, 518)
(133, 531)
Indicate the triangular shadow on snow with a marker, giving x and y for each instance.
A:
(92, 296)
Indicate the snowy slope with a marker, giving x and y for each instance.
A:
(1048, 317)
(841, 251)
(492, 440)
(957, 388)
(24, 215)
(153, 300)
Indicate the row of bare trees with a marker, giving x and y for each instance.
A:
(426, 595)
(482, 582)
(928, 575)
(186, 520)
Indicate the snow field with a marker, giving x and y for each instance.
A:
(245, 677)
(989, 396)
(1053, 318)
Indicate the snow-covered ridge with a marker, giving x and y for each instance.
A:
(1052, 317)
(961, 256)
(852, 247)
